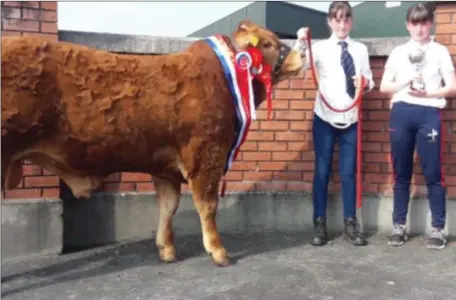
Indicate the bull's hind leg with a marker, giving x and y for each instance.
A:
(168, 196)
(205, 195)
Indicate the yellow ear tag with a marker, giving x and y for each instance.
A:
(253, 40)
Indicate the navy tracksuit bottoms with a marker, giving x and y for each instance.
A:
(409, 126)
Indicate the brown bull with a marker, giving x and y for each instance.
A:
(84, 114)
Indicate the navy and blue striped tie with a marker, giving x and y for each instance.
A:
(349, 68)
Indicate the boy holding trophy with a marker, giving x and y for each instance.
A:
(413, 76)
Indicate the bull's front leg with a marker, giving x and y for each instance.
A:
(205, 195)
(168, 197)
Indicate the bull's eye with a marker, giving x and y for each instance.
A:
(267, 45)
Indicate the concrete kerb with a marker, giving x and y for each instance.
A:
(36, 227)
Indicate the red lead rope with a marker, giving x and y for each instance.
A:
(357, 102)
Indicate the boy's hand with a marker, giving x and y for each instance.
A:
(357, 82)
(302, 34)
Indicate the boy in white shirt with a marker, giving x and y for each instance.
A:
(415, 119)
(339, 62)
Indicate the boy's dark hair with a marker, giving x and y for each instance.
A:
(340, 6)
(420, 13)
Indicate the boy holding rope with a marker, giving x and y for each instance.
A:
(341, 63)
(413, 75)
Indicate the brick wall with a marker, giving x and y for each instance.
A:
(31, 18)
(278, 154)
(446, 34)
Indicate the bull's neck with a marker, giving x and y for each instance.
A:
(259, 92)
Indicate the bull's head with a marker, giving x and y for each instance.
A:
(285, 62)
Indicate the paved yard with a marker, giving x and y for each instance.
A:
(269, 266)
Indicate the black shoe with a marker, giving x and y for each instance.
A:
(320, 236)
(352, 233)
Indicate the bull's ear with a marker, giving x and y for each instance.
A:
(246, 34)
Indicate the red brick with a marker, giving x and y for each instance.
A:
(33, 4)
(444, 39)
(278, 104)
(298, 146)
(243, 186)
(445, 29)
(10, 33)
(11, 13)
(257, 156)
(283, 85)
(49, 5)
(445, 8)
(300, 166)
(274, 125)
(260, 136)
(12, 3)
(41, 181)
(21, 25)
(442, 18)
(287, 176)
(49, 27)
(249, 146)
(31, 14)
(51, 193)
(272, 146)
(23, 193)
(290, 115)
(288, 94)
(272, 166)
(258, 176)
(243, 166)
(285, 156)
(49, 16)
(301, 104)
(297, 84)
(234, 175)
(135, 177)
(31, 170)
(145, 187)
(290, 136)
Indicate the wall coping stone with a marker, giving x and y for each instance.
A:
(141, 44)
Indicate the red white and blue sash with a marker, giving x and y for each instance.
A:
(237, 73)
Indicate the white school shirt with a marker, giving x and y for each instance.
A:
(332, 84)
(437, 62)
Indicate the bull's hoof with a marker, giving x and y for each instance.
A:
(167, 254)
(221, 258)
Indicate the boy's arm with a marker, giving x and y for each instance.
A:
(301, 47)
(449, 77)
(366, 71)
(389, 85)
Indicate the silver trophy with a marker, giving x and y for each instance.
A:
(417, 57)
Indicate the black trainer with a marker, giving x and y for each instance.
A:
(436, 240)
(398, 236)
(320, 236)
(352, 232)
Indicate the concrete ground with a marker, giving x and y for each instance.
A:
(268, 266)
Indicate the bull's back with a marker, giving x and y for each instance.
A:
(114, 111)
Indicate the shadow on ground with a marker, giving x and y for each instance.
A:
(130, 255)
